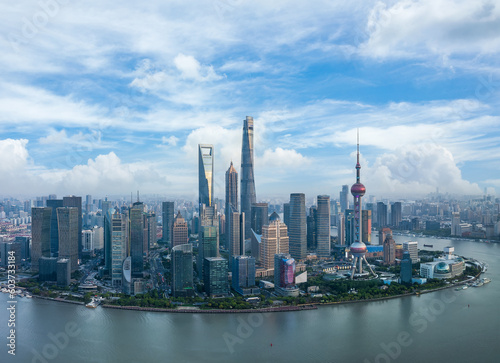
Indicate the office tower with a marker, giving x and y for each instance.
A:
(455, 224)
(311, 228)
(24, 243)
(284, 275)
(205, 174)
(349, 227)
(67, 221)
(88, 241)
(54, 231)
(344, 198)
(243, 274)
(127, 283)
(88, 209)
(358, 248)
(167, 218)
(150, 227)
(236, 232)
(63, 272)
(323, 226)
(209, 245)
(231, 201)
(182, 270)
(382, 234)
(119, 242)
(215, 276)
(76, 202)
(179, 231)
(259, 217)
(40, 235)
(341, 230)
(381, 215)
(10, 249)
(389, 246)
(274, 240)
(406, 268)
(367, 226)
(107, 212)
(137, 238)
(248, 196)
(208, 216)
(297, 228)
(47, 270)
(412, 248)
(396, 215)
(286, 214)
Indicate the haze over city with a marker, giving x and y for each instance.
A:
(100, 101)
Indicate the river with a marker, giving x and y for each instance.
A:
(444, 326)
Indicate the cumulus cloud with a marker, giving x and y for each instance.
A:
(417, 171)
(282, 159)
(440, 27)
(190, 68)
(170, 141)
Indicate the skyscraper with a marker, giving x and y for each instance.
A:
(106, 208)
(215, 276)
(54, 231)
(208, 245)
(67, 221)
(344, 198)
(179, 230)
(76, 202)
(259, 216)
(412, 248)
(119, 238)
(231, 200)
(323, 226)
(396, 215)
(236, 232)
(358, 248)
(284, 275)
(167, 216)
(137, 238)
(248, 195)
(389, 246)
(274, 240)
(311, 228)
(406, 268)
(243, 273)
(297, 228)
(182, 270)
(381, 215)
(205, 174)
(366, 236)
(286, 214)
(40, 235)
(341, 230)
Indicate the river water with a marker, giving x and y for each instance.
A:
(444, 326)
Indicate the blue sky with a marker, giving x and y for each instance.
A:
(107, 98)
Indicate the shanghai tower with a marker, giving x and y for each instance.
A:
(247, 176)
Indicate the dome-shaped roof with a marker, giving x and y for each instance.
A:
(442, 268)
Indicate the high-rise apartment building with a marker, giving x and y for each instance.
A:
(248, 196)
(297, 228)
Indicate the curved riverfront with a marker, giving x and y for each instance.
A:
(446, 325)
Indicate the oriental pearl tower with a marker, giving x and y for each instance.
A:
(358, 248)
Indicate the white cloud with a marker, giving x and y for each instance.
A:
(13, 157)
(282, 159)
(432, 27)
(170, 141)
(192, 69)
(416, 171)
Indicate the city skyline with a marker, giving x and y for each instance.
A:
(125, 108)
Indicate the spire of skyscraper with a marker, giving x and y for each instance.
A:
(247, 175)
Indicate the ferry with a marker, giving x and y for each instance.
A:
(463, 287)
(429, 246)
(486, 280)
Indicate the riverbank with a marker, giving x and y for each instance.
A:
(216, 311)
